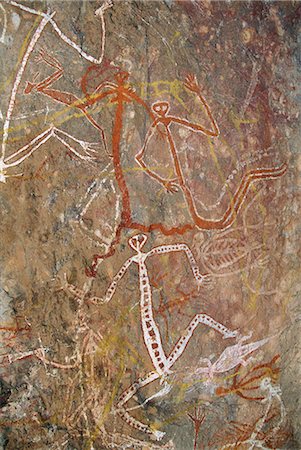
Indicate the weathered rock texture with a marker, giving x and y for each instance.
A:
(77, 103)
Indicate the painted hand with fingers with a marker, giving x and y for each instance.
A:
(171, 186)
(191, 83)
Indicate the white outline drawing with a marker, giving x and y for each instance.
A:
(91, 404)
(273, 393)
(49, 17)
(151, 334)
(96, 236)
(221, 252)
(88, 148)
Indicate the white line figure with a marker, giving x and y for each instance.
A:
(232, 251)
(86, 150)
(273, 393)
(99, 193)
(151, 334)
(10, 358)
(90, 404)
(87, 342)
(240, 249)
(17, 82)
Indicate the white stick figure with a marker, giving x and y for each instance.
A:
(151, 333)
(86, 150)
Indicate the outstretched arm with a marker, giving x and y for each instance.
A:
(200, 279)
(113, 286)
(40, 354)
(130, 92)
(192, 85)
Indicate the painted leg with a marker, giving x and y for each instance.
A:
(203, 319)
(241, 192)
(27, 150)
(127, 395)
(90, 148)
(86, 146)
(164, 391)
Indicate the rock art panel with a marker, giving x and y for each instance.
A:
(149, 187)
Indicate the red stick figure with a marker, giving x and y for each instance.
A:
(160, 110)
(164, 120)
(120, 93)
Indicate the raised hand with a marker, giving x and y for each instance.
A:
(191, 83)
(171, 186)
(40, 57)
(91, 149)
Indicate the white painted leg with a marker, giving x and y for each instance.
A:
(203, 319)
(164, 391)
(24, 152)
(127, 395)
(17, 158)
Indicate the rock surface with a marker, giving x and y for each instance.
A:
(176, 121)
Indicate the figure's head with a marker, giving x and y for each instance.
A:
(161, 108)
(137, 242)
(121, 77)
(96, 75)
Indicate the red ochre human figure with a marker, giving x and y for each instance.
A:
(160, 115)
(120, 93)
(161, 110)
